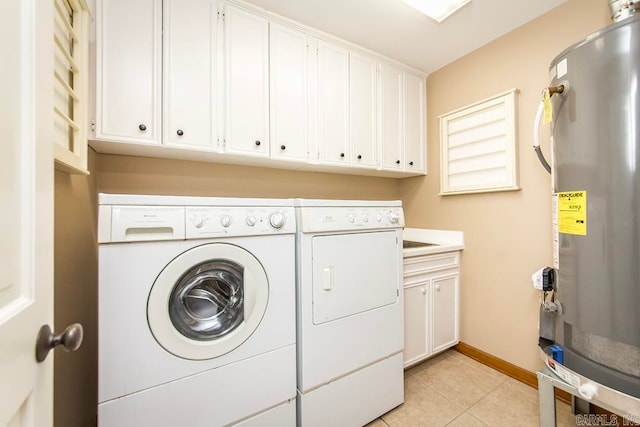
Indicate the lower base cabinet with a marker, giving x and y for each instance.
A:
(431, 298)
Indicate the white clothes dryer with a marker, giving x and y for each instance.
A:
(196, 311)
(350, 310)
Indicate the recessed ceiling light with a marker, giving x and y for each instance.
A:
(438, 10)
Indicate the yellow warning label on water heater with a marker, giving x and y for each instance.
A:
(572, 212)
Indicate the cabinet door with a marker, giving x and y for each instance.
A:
(246, 83)
(417, 326)
(128, 62)
(189, 72)
(288, 98)
(333, 104)
(415, 124)
(391, 118)
(363, 84)
(445, 312)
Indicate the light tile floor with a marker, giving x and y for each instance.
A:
(454, 390)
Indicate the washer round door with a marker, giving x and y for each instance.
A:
(207, 301)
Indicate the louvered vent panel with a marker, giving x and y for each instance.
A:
(478, 147)
(70, 80)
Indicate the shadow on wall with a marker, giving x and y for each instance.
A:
(76, 296)
(144, 175)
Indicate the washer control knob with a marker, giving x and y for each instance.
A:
(251, 220)
(199, 221)
(351, 218)
(225, 220)
(277, 220)
(365, 217)
(379, 218)
(394, 218)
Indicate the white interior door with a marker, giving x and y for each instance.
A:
(26, 217)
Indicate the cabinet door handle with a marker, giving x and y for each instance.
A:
(397, 162)
(142, 127)
(438, 288)
(359, 157)
(180, 132)
(410, 163)
(283, 147)
(342, 155)
(424, 291)
(257, 143)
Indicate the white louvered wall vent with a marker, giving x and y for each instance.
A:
(478, 147)
(71, 38)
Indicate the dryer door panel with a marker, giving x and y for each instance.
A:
(353, 273)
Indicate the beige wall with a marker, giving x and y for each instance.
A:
(76, 297)
(125, 174)
(508, 234)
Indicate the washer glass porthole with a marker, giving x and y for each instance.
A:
(207, 302)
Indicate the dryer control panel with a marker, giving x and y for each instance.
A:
(322, 219)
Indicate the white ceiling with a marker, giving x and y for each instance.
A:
(394, 29)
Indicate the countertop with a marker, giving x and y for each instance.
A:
(442, 240)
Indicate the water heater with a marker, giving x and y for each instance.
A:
(596, 188)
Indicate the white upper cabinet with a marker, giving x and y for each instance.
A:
(363, 88)
(128, 62)
(333, 104)
(189, 52)
(220, 80)
(415, 123)
(289, 100)
(246, 94)
(391, 118)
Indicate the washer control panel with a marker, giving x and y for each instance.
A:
(131, 223)
(204, 221)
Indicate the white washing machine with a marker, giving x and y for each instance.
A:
(196, 312)
(350, 310)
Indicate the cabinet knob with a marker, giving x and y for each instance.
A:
(142, 127)
(397, 162)
(180, 132)
(342, 155)
(359, 156)
(283, 147)
(410, 163)
(257, 143)
(424, 291)
(438, 287)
